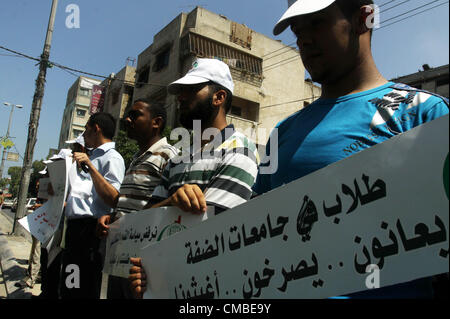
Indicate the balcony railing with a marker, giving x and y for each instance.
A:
(249, 67)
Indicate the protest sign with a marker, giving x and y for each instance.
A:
(377, 218)
(43, 188)
(44, 221)
(136, 231)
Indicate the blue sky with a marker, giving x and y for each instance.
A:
(112, 30)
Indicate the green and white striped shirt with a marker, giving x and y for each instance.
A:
(225, 176)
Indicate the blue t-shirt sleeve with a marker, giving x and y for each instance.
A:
(261, 185)
(437, 110)
(263, 179)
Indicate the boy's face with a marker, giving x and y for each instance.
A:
(327, 43)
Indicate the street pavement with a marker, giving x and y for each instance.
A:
(14, 254)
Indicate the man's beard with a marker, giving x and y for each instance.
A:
(203, 111)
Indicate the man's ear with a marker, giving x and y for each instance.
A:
(219, 98)
(365, 19)
(157, 122)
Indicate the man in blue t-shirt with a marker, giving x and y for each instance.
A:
(358, 107)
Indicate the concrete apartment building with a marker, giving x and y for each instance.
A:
(119, 93)
(76, 112)
(268, 75)
(434, 80)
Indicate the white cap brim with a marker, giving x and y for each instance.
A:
(175, 87)
(79, 140)
(300, 7)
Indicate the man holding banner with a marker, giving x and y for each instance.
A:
(358, 107)
(144, 123)
(219, 174)
(94, 194)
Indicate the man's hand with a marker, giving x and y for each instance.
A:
(189, 198)
(137, 278)
(102, 226)
(82, 158)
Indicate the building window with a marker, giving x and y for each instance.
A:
(236, 110)
(77, 133)
(85, 92)
(143, 76)
(162, 60)
(81, 113)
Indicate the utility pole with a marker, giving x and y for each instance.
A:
(34, 123)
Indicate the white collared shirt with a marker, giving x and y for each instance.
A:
(111, 166)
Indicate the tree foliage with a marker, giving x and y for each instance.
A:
(16, 173)
(3, 183)
(126, 147)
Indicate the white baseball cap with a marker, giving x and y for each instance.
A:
(79, 140)
(202, 71)
(297, 8)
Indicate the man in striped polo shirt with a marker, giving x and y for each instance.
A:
(144, 123)
(220, 171)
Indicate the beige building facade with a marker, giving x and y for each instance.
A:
(119, 90)
(269, 76)
(76, 112)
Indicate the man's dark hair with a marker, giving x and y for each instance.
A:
(106, 122)
(217, 87)
(156, 109)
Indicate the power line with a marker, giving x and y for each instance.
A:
(67, 69)
(20, 54)
(402, 14)
(283, 62)
(292, 58)
(13, 55)
(267, 68)
(287, 51)
(382, 5)
(397, 5)
(428, 9)
(288, 46)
